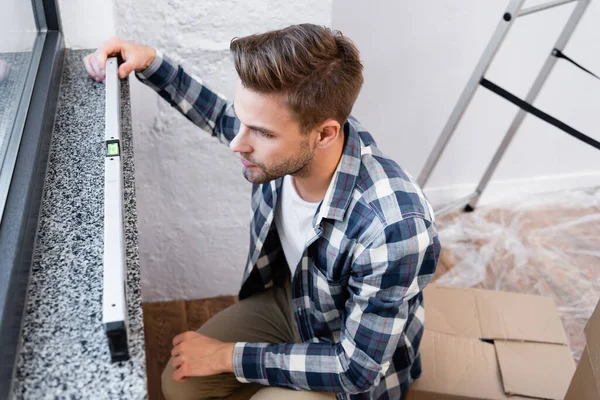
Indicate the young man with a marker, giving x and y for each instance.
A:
(342, 241)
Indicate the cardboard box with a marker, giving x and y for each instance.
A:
(586, 382)
(481, 344)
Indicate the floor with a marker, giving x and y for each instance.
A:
(163, 321)
(547, 245)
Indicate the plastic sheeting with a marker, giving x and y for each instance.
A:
(544, 244)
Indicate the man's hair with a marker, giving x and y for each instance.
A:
(317, 70)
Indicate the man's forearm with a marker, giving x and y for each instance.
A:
(190, 96)
(303, 366)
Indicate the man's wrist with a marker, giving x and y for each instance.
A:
(150, 56)
(227, 356)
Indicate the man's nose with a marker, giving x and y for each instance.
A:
(241, 141)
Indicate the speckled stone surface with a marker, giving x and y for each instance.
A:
(64, 351)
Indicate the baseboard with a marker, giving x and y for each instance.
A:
(509, 189)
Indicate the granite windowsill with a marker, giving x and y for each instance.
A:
(64, 351)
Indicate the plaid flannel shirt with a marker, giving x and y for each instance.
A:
(357, 290)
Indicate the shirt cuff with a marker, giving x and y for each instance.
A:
(160, 72)
(248, 362)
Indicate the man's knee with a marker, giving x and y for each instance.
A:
(171, 389)
(198, 388)
(276, 393)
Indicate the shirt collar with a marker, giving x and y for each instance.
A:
(339, 193)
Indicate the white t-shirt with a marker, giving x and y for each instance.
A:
(293, 219)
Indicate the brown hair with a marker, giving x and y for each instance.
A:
(318, 70)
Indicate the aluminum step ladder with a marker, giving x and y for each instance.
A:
(513, 11)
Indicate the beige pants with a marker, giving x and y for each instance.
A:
(263, 318)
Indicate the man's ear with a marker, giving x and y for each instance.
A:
(329, 132)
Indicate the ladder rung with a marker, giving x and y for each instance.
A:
(545, 6)
(539, 113)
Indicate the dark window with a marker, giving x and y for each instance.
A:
(31, 56)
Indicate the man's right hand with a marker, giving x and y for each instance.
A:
(136, 57)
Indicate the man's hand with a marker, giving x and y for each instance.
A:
(136, 57)
(194, 354)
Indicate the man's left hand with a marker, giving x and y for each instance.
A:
(194, 354)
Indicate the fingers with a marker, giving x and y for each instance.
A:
(95, 63)
(176, 351)
(176, 362)
(178, 339)
(93, 67)
(180, 374)
(125, 69)
(109, 48)
(90, 69)
(135, 57)
(184, 336)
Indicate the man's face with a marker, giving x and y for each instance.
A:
(270, 141)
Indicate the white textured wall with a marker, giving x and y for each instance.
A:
(418, 56)
(86, 23)
(193, 202)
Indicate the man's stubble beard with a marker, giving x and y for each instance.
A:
(298, 165)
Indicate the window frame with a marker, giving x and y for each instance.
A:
(31, 145)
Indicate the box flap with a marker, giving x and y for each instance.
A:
(530, 357)
(515, 316)
(592, 336)
(592, 329)
(584, 385)
(457, 367)
(540, 370)
(452, 311)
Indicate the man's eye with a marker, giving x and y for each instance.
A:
(262, 133)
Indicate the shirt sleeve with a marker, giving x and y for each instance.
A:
(385, 275)
(188, 94)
